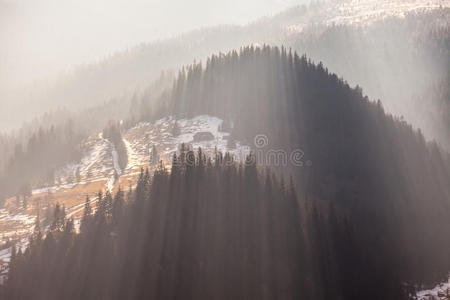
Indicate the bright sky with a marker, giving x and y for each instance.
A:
(40, 38)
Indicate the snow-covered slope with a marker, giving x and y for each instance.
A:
(13, 227)
(100, 159)
(363, 12)
(97, 162)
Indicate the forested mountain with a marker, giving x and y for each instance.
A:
(377, 168)
(305, 155)
(403, 72)
(366, 218)
(211, 228)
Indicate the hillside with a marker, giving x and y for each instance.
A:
(98, 168)
(303, 155)
(365, 170)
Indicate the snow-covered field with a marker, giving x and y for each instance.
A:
(364, 12)
(13, 225)
(97, 162)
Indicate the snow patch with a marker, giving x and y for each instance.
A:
(133, 158)
(437, 291)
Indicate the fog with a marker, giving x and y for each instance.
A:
(41, 39)
(214, 149)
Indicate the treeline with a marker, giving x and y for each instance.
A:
(113, 132)
(210, 228)
(376, 167)
(34, 163)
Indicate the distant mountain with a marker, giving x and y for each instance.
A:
(345, 35)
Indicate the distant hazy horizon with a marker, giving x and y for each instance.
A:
(42, 39)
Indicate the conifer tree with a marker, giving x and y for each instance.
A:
(154, 156)
(118, 207)
(86, 219)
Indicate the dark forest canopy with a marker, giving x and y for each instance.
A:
(375, 166)
(209, 229)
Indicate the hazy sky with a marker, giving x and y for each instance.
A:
(40, 38)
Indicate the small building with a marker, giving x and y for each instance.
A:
(203, 136)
